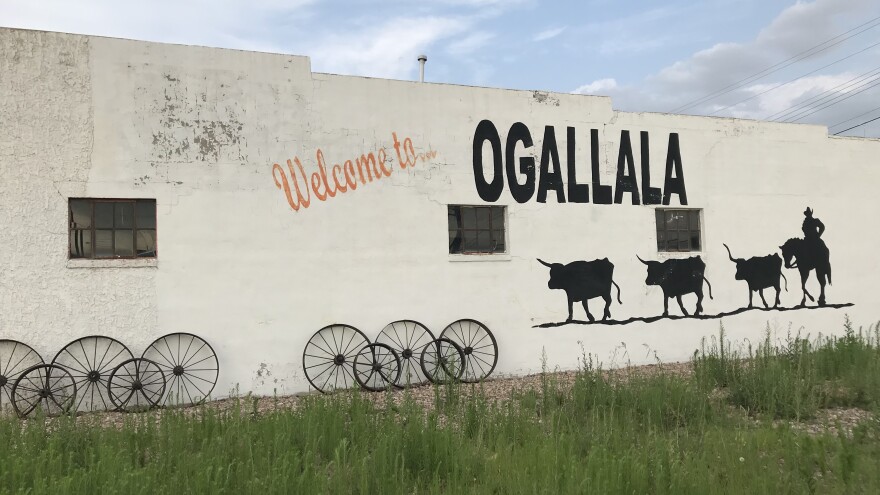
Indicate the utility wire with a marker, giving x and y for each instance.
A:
(821, 96)
(846, 96)
(854, 118)
(853, 127)
(863, 86)
(796, 78)
(785, 63)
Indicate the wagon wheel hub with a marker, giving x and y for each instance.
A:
(468, 350)
(377, 367)
(93, 376)
(3, 381)
(339, 360)
(44, 393)
(137, 385)
(407, 353)
(177, 370)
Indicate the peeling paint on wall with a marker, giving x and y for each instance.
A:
(191, 124)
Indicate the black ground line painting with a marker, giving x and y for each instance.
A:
(652, 319)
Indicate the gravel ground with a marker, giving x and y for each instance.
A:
(495, 389)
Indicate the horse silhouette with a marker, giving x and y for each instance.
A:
(807, 255)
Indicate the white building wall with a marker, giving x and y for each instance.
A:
(200, 129)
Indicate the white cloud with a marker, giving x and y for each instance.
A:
(597, 87)
(548, 34)
(724, 65)
(388, 50)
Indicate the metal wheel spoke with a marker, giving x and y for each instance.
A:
(112, 359)
(171, 352)
(10, 372)
(187, 362)
(169, 361)
(191, 340)
(199, 390)
(14, 347)
(85, 355)
(326, 363)
(329, 352)
(85, 369)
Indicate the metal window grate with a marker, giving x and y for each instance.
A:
(476, 229)
(112, 228)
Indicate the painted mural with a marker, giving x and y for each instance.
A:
(584, 280)
(328, 181)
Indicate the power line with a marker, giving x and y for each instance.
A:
(846, 96)
(781, 65)
(821, 96)
(854, 118)
(865, 85)
(853, 127)
(796, 78)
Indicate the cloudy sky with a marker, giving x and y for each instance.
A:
(813, 61)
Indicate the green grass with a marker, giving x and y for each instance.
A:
(644, 434)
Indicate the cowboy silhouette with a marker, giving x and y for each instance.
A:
(807, 254)
(812, 227)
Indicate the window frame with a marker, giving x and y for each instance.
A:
(92, 229)
(691, 213)
(460, 230)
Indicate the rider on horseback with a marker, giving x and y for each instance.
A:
(809, 253)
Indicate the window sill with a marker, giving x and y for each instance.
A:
(678, 254)
(113, 263)
(480, 257)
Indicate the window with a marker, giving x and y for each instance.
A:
(112, 228)
(678, 230)
(476, 229)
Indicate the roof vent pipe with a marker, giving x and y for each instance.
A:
(422, 60)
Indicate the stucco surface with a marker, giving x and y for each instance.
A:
(200, 129)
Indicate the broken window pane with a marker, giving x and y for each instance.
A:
(80, 214)
(145, 243)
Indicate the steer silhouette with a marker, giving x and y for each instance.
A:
(678, 277)
(582, 281)
(760, 273)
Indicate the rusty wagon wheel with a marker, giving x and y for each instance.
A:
(408, 338)
(328, 357)
(189, 364)
(376, 367)
(15, 357)
(90, 361)
(45, 387)
(442, 361)
(136, 385)
(479, 346)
